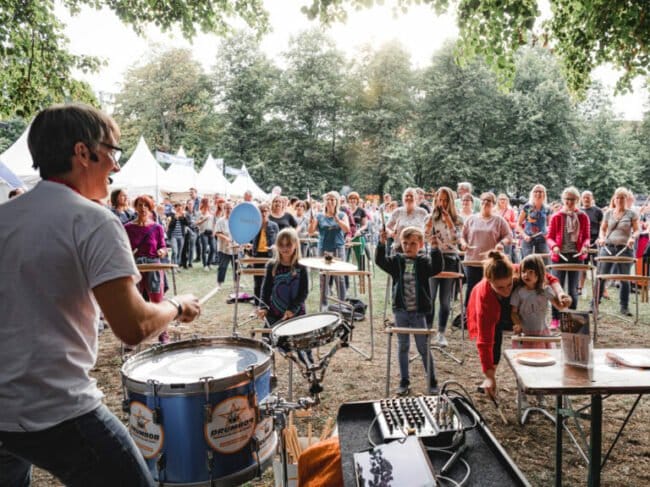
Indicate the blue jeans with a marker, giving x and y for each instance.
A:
(224, 260)
(537, 245)
(207, 249)
(92, 449)
(473, 276)
(412, 319)
(446, 287)
(572, 279)
(177, 247)
(622, 268)
(340, 281)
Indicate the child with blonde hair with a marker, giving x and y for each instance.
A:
(286, 282)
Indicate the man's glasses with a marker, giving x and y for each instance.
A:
(116, 152)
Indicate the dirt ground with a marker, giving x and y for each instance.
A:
(350, 378)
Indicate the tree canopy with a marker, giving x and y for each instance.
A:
(36, 69)
(584, 33)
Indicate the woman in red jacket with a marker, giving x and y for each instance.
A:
(488, 311)
(568, 238)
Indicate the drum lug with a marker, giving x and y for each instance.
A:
(126, 405)
(252, 395)
(156, 413)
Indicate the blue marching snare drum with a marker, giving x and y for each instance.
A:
(194, 410)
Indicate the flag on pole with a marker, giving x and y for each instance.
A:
(172, 159)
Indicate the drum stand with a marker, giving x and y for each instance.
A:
(278, 408)
(315, 372)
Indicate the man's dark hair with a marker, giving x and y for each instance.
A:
(55, 131)
(15, 192)
(114, 196)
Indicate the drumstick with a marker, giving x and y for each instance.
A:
(327, 429)
(607, 250)
(618, 254)
(211, 294)
(309, 433)
(562, 257)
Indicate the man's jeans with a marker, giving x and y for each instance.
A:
(93, 449)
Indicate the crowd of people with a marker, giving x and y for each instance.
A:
(462, 227)
(47, 397)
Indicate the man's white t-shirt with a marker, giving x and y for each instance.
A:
(55, 247)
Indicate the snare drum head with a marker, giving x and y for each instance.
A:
(188, 364)
(305, 324)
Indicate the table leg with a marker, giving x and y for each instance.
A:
(558, 440)
(596, 440)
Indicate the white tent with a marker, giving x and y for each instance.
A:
(245, 182)
(141, 174)
(211, 180)
(180, 178)
(18, 160)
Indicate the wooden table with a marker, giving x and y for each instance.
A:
(602, 379)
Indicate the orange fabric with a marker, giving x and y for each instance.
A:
(320, 465)
(262, 246)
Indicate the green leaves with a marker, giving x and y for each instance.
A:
(36, 69)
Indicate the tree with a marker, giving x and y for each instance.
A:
(170, 102)
(36, 69)
(584, 33)
(10, 131)
(540, 131)
(462, 116)
(606, 155)
(383, 113)
(309, 115)
(243, 79)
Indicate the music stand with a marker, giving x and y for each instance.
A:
(252, 271)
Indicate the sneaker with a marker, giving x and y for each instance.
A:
(402, 390)
(555, 324)
(626, 312)
(441, 340)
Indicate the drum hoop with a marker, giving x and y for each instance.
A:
(278, 332)
(195, 387)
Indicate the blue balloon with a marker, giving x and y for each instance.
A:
(245, 222)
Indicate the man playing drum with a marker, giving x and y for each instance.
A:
(62, 255)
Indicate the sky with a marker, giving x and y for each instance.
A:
(100, 33)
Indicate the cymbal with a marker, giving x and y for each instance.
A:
(323, 265)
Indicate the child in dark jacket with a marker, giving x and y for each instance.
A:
(410, 271)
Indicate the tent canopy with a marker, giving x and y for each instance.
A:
(211, 180)
(245, 182)
(141, 174)
(18, 160)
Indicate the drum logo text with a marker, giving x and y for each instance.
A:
(231, 425)
(148, 436)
